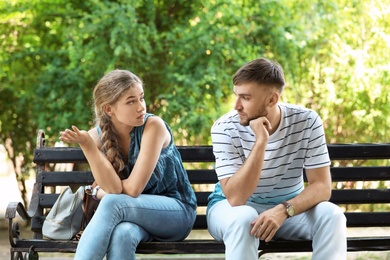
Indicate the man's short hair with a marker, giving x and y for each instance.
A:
(261, 71)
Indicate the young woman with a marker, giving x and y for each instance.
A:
(144, 189)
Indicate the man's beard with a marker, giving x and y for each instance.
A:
(261, 113)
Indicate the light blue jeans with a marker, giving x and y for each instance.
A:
(325, 224)
(121, 222)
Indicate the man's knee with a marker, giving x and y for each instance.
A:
(239, 220)
(224, 219)
(243, 215)
(331, 214)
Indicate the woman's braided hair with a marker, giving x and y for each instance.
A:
(108, 91)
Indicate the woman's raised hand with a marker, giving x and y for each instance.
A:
(75, 136)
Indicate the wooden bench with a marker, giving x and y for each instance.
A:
(199, 164)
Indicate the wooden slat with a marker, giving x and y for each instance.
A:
(202, 176)
(362, 173)
(58, 155)
(366, 196)
(207, 176)
(196, 153)
(201, 197)
(207, 246)
(359, 151)
(60, 178)
(353, 196)
(354, 219)
(65, 178)
(368, 219)
(360, 196)
(47, 200)
(205, 154)
(69, 155)
(200, 222)
(356, 244)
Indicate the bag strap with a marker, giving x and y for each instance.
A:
(86, 199)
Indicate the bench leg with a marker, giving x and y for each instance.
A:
(19, 256)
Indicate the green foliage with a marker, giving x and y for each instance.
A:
(52, 52)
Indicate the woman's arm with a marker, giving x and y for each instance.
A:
(101, 168)
(154, 138)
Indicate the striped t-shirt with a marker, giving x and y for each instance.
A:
(299, 142)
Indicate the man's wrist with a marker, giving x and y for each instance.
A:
(290, 210)
(261, 144)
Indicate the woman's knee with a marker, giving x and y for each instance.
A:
(124, 240)
(128, 234)
(122, 232)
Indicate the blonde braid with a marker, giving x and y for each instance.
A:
(110, 144)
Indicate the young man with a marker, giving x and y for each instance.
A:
(261, 149)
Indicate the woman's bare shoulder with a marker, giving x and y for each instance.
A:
(156, 126)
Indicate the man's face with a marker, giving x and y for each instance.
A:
(251, 101)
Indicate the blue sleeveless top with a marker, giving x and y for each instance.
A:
(169, 177)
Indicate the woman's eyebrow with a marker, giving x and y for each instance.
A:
(130, 97)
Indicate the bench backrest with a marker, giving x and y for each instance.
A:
(373, 181)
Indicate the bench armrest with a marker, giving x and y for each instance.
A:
(13, 227)
(14, 207)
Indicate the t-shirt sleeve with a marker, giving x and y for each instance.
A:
(228, 158)
(317, 155)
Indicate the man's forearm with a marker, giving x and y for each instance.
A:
(243, 183)
(311, 196)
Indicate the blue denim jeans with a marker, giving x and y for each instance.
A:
(121, 222)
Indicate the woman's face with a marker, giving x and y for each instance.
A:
(130, 109)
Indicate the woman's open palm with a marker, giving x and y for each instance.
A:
(74, 136)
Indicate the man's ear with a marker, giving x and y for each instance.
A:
(273, 99)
